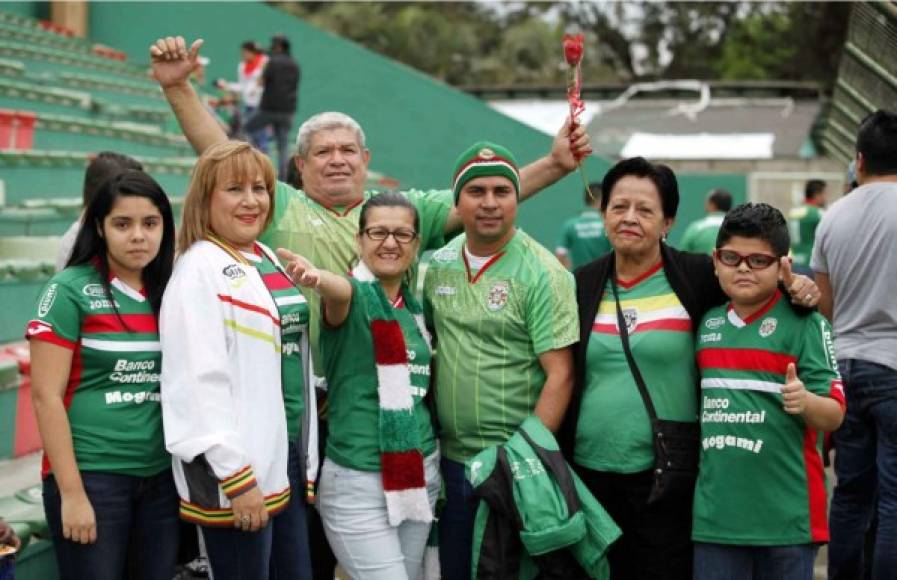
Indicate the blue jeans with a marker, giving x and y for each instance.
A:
(866, 469)
(456, 522)
(238, 555)
(142, 510)
(290, 555)
(258, 138)
(7, 568)
(281, 123)
(724, 562)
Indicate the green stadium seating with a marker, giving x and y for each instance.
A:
(31, 248)
(35, 52)
(11, 68)
(48, 174)
(72, 133)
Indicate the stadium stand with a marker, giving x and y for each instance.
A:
(867, 76)
(62, 99)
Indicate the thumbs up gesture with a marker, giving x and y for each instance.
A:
(802, 289)
(794, 393)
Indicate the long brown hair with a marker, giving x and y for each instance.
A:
(229, 160)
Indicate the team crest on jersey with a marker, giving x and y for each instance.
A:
(630, 317)
(94, 290)
(46, 301)
(498, 296)
(768, 326)
(715, 322)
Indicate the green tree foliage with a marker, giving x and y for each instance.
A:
(481, 43)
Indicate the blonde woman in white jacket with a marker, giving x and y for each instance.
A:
(231, 325)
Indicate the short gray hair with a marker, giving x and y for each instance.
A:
(325, 122)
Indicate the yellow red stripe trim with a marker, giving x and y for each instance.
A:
(224, 517)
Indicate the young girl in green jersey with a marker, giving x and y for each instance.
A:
(380, 478)
(769, 389)
(95, 373)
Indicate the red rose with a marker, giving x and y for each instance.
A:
(573, 48)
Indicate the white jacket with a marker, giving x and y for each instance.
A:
(248, 85)
(222, 398)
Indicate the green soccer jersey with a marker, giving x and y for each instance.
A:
(112, 396)
(293, 310)
(761, 479)
(583, 238)
(490, 327)
(802, 222)
(614, 432)
(700, 236)
(354, 416)
(326, 235)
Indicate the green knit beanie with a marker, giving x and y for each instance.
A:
(485, 159)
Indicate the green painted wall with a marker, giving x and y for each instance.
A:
(29, 9)
(18, 299)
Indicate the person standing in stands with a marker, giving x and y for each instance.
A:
(662, 294)
(380, 481)
(280, 97)
(234, 401)
(96, 361)
(853, 259)
(504, 318)
(700, 236)
(804, 220)
(321, 220)
(249, 87)
(102, 167)
(770, 389)
(583, 238)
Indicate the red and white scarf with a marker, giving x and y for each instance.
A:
(401, 457)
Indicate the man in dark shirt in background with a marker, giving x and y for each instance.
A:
(280, 90)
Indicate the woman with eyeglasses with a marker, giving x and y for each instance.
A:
(380, 478)
(662, 295)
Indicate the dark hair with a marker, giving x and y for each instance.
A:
(756, 220)
(662, 176)
(90, 245)
(388, 199)
(280, 41)
(251, 46)
(721, 199)
(294, 176)
(813, 188)
(106, 165)
(877, 141)
(593, 193)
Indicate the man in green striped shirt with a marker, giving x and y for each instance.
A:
(700, 236)
(504, 314)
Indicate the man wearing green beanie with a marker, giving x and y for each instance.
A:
(503, 311)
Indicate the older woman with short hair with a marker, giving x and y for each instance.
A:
(661, 294)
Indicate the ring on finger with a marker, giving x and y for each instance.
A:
(808, 298)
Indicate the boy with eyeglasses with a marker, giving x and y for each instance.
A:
(769, 388)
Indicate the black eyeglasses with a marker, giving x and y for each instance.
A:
(754, 261)
(380, 234)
